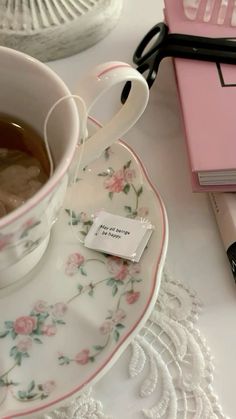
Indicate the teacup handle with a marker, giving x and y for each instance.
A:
(99, 81)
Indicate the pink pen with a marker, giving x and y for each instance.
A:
(224, 207)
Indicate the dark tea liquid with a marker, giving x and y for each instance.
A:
(24, 163)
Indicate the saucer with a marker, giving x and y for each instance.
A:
(77, 311)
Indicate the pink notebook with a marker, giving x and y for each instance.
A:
(208, 100)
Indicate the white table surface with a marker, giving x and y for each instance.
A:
(195, 255)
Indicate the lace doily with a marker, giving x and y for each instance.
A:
(84, 407)
(171, 361)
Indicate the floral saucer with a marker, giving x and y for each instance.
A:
(79, 309)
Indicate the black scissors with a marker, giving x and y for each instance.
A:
(219, 50)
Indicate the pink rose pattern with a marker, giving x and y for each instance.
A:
(44, 319)
(122, 180)
(48, 387)
(18, 238)
(24, 345)
(40, 306)
(49, 329)
(118, 315)
(132, 297)
(116, 182)
(24, 325)
(124, 276)
(117, 267)
(59, 310)
(82, 357)
(74, 262)
(42, 322)
(106, 327)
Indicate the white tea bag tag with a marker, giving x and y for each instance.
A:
(119, 236)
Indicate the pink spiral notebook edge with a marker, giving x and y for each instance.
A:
(174, 17)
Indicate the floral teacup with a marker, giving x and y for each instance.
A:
(28, 90)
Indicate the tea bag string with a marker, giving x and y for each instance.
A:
(83, 117)
(83, 127)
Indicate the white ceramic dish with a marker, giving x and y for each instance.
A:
(71, 318)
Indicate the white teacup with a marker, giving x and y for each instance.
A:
(28, 89)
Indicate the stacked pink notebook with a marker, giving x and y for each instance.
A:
(208, 100)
